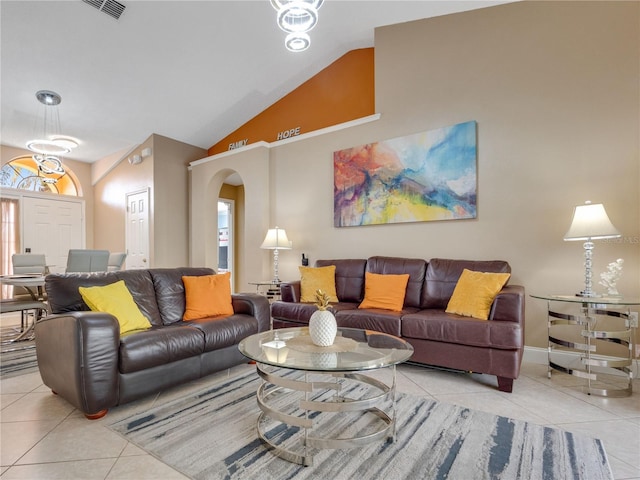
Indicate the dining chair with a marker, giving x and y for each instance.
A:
(116, 260)
(83, 260)
(25, 264)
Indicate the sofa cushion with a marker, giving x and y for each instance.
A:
(385, 321)
(474, 293)
(224, 331)
(207, 295)
(159, 345)
(64, 296)
(319, 278)
(349, 278)
(301, 312)
(384, 291)
(170, 290)
(443, 274)
(436, 325)
(416, 268)
(116, 300)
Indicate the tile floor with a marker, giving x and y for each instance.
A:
(43, 437)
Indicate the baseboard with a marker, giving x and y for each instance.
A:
(539, 356)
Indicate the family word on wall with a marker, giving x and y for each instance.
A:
(281, 136)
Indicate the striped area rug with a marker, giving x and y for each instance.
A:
(212, 435)
(18, 359)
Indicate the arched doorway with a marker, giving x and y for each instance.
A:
(230, 222)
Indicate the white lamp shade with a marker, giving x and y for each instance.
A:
(276, 239)
(590, 221)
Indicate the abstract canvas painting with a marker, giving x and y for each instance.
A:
(418, 178)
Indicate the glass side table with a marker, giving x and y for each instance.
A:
(272, 290)
(599, 321)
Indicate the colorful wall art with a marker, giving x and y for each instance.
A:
(418, 178)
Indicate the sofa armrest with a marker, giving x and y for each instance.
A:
(508, 306)
(77, 356)
(255, 305)
(290, 291)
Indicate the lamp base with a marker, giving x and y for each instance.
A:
(587, 294)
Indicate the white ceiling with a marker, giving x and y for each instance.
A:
(193, 71)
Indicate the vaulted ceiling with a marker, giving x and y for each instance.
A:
(193, 71)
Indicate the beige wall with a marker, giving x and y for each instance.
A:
(82, 173)
(171, 200)
(165, 175)
(554, 87)
(110, 201)
(206, 181)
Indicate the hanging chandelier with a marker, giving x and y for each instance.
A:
(49, 146)
(296, 18)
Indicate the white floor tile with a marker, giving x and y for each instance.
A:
(76, 439)
(21, 384)
(143, 468)
(38, 406)
(17, 438)
(45, 437)
(77, 470)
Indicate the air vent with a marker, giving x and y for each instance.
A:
(110, 7)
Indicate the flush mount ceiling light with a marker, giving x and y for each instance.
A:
(49, 144)
(297, 17)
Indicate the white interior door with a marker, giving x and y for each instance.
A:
(137, 230)
(52, 227)
(225, 236)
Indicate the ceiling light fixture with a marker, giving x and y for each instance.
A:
(49, 164)
(297, 17)
(50, 144)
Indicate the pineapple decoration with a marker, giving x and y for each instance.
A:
(322, 325)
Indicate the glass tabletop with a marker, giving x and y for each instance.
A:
(353, 350)
(590, 300)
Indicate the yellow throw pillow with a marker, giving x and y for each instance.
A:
(475, 292)
(207, 296)
(384, 291)
(319, 278)
(115, 299)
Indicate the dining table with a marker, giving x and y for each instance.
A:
(33, 283)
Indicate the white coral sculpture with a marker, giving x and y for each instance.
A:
(611, 277)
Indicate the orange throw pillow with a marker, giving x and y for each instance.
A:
(384, 291)
(207, 296)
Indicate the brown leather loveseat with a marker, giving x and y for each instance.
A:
(494, 346)
(83, 358)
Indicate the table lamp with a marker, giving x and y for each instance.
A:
(590, 222)
(275, 240)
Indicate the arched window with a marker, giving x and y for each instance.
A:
(25, 174)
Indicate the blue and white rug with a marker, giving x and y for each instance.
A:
(212, 435)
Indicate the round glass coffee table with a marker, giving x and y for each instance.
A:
(334, 397)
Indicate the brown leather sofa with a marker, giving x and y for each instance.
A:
(493, 346)
(83, 358)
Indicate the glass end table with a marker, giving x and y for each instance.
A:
(599, 321)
